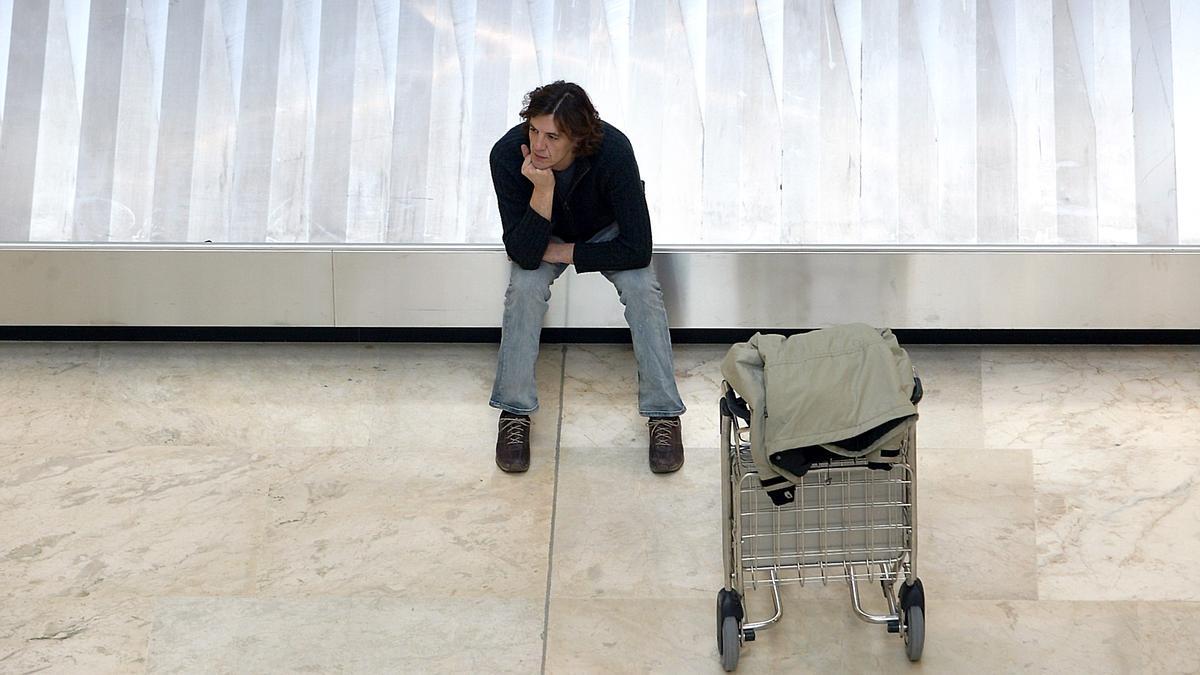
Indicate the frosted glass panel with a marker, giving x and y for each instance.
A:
(768, 121)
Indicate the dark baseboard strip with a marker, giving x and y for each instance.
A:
(575, 335)
(1047, 336)
(987, 336)
(246, 334)
(983, 336)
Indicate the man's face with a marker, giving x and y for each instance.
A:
(549, 147)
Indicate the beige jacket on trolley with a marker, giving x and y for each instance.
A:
(818, 388)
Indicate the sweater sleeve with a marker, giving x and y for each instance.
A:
(526, 233)
(633, 245)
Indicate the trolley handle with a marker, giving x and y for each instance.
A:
(734, 405)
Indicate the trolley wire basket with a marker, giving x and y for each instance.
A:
(850, 521)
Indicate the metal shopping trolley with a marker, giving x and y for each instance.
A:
(851, 520)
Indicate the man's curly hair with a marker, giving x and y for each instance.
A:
(573, 113)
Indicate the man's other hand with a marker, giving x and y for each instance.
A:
(541, 178)
(557, 252)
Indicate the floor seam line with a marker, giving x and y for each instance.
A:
(562, 378)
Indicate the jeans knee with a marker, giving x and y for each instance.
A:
(638, 287)
(527, 286)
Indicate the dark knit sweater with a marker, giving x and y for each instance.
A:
(606, 188)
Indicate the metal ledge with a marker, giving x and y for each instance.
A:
(461, 286)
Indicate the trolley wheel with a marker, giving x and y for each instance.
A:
(914, 635)
(729, 619)
(729, 644)
(912, 608)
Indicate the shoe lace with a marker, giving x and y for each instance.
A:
(661, 430)
(514, 429)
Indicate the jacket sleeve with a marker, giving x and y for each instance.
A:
(743, 369)
(633, 245)
(526, 233)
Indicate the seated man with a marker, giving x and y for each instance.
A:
(569, 192)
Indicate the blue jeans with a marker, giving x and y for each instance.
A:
(525, 303)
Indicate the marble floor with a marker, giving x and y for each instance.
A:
(334, 508)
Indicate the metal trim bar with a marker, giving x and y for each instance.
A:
(949, 288)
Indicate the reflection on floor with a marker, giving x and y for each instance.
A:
(335, 508)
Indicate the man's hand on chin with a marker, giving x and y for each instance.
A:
(559, 253)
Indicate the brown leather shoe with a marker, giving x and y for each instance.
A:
(512, 443)
(666, 444)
